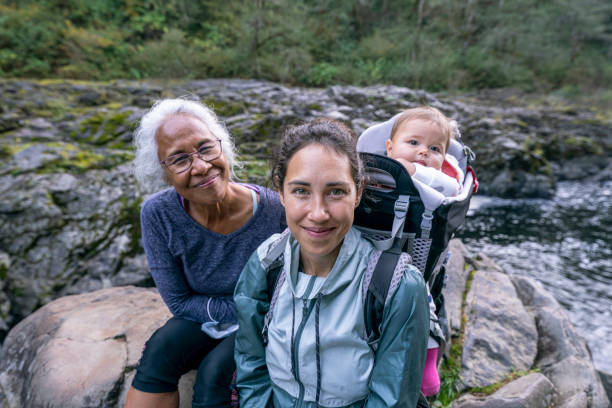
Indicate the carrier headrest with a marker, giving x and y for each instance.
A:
(373, 139)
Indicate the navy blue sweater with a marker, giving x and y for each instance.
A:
(195, 269)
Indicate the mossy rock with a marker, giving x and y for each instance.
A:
(254, 170)
(226, 108)
(62, 157)
(104, 126)
(564, 147)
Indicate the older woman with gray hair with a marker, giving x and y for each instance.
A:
(197, 235)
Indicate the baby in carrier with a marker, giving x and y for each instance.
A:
(419, 140)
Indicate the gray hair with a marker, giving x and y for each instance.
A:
(147, 169)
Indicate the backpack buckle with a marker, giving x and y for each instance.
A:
(401, 206)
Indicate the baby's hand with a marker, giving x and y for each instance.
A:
(408, 165)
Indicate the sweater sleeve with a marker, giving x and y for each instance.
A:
(400, 357)
(437, 180)
(252, 304)
(170, 280)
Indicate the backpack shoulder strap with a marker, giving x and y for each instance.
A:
(384, 274)
(273, 263)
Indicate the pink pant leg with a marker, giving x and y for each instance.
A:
(431, 380)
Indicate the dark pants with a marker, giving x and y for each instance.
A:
(180, 346)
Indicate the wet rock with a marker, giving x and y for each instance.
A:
(563, 354)
(500, 335)
(518, 183)
(533, 391)
(583, 167)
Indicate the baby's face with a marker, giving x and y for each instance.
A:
(418, 141)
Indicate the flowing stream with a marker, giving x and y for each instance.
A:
(565, 243)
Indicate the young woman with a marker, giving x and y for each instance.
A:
(316, 354)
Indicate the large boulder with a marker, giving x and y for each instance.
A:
(563, 355)
(500, 335)
(502, 313)
(81, 351)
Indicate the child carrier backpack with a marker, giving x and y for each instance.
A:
(399, 214)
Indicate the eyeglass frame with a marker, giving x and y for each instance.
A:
(190, 157)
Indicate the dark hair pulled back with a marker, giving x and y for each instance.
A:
(325, 132)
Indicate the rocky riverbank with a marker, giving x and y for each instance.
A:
(69, 207)
(518, 347)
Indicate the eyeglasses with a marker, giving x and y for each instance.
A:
(181, 162)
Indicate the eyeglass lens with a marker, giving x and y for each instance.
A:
(182, 162)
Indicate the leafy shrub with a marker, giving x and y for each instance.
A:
(170, 57)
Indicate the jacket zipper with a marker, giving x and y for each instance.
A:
(306, 309)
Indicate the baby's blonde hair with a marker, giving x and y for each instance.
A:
(449, 127)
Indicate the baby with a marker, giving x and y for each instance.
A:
(419, 140)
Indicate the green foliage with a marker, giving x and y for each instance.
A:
(434, 44)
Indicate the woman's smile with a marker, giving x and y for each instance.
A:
(318, 232)
(207, 181)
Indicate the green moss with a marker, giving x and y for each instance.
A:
(8, 150)
(584, 144)
(254, 170)
(72, 158)
(490, 389)
(522, 124)
(101, 127)
(314, 106)
(226, 108)
(17, 292)
(563, 147)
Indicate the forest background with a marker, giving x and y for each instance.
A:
(562, 46)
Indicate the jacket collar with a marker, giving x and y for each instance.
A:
(343, 272)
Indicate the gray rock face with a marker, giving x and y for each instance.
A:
(456, 276)
(79, 351)
(69, 234)
(531, 391)
(563, 355)
(500, 335)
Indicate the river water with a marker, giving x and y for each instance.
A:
(565, 243)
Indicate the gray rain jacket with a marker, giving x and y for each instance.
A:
(316, 337)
